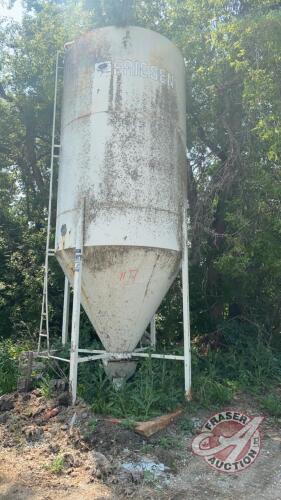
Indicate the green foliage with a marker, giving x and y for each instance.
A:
(242, 360)
(149, 477)
(9, 354)
(211, 392)
(27, 65)
(129, 423)
(111, 12)
(45, 387)
(93, 424)
(169, 442)
(271, 405)
(57, 465)
(154, 389)
(186, 424)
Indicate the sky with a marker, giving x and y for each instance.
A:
(14, 13)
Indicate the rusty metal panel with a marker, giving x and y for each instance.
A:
(123, 151)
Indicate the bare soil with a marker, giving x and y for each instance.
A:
(75, 454)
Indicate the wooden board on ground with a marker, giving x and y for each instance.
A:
(150, 427)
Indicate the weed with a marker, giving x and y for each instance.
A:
(57, 465)
(46, 387)
(15, 428)
(186, 424)
(152, 391)
(9, 353)
(147, 448)
(148, 477)
(129, 423)
(242, 361)
(168, 442)
(212, 392)
(272, 405)
(93, 424)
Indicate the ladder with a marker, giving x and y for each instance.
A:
(44, 320)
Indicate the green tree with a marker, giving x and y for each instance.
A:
(232, 52)
(27, 65)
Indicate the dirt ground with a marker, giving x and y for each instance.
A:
(72, 453)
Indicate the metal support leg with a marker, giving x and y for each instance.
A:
(186, 313)
(153, 333)
(65, 317)
(76, 309)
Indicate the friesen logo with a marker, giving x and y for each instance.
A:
(141, 69)
(229, 441)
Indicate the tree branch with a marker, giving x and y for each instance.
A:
(3, 94)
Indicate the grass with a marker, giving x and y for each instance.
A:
(186, 424)
(210, 391)
(129, 423)
(156, 388)
(243, 359)
(272, 405)
(147, 448)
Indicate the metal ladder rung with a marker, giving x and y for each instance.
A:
(43, 334)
